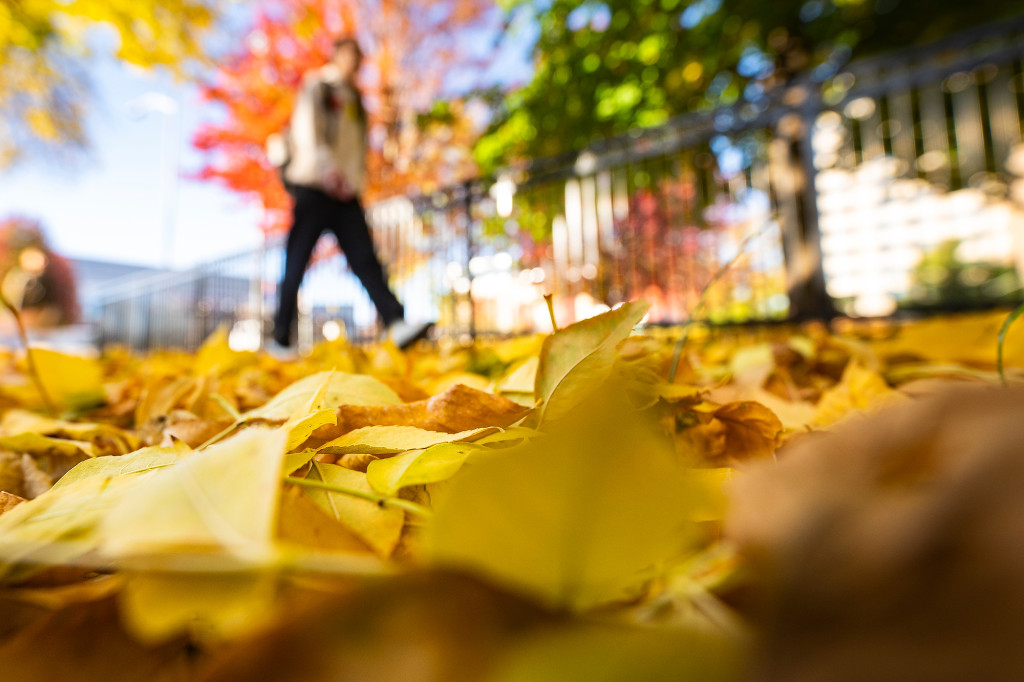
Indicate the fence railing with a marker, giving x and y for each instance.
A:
(891, 182)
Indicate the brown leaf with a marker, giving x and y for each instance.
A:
(35, 482)
(459, 408)
(356, 461)
(405, 389)
(751, 430)
(735, 431)
(10, 473)
(9, 501)
(894, 543)
(84, 642)
(418, 627)
(185, 426)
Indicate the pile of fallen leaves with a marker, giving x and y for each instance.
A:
(604, 503)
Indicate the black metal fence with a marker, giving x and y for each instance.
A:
(862, 189)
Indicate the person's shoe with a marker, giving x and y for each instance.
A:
(403, 334)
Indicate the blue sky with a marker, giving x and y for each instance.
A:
(109, 205)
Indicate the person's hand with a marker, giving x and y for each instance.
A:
(337, 185)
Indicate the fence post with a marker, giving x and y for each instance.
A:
(468, 207)
(808, 298)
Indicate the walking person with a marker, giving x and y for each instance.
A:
(322, 159)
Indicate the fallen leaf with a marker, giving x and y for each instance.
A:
(892, 543)
(146, 459)
(859, 390)
(386, 440)
(304, 523)
(434, 464)
(342, 389)
(35, 444)
(221, 498)
(34, 482)
(576, 518)
(380, 528)
(459, 408)
(9, 501)
(576, 359)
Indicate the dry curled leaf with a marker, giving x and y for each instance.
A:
(357, 461)
(459, 408)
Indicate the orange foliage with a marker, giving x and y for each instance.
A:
(411, 47)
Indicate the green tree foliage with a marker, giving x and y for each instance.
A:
(609, 66)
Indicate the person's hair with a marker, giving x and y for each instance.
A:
(348, 41)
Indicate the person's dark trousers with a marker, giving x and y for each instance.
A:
(315, 213)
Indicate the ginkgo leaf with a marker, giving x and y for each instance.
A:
(16, 422)
(577, 517)
(574, 360)
(57, 527)
(71, 381)
(434, 464)
(224, 497)
(146, 459)
(522, 379)
(342, 389)
(383, 440)
(216, 355)
(437, 463)
(294, 461)
(379, 527)
(35, 444)
(211, 606)
(859, 390)
(302, 522)
(300, 429)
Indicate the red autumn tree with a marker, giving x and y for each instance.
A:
(412, 48)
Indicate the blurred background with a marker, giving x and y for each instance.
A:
(727, 160)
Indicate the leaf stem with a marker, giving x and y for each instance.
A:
(380, 500)
(703, 299)
(33, 371)
(226, 406)
(550, 300)
(1002, 341)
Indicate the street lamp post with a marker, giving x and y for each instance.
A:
(170, 148)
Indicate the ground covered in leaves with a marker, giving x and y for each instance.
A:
(605, 503)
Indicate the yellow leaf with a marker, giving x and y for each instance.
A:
(72, 381)
(432, 465)
(303, 523)
(383, 440)
(211, 606)
(577, 517)
(34, 444)
(216, 355)
(224, 497)
(105, 436)
(521, 379)
(300, 429)
(379, 528)
(342, 389)
(146, 459)
(859, 390)
(57, 527)
(437, 463)
(576, 359)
